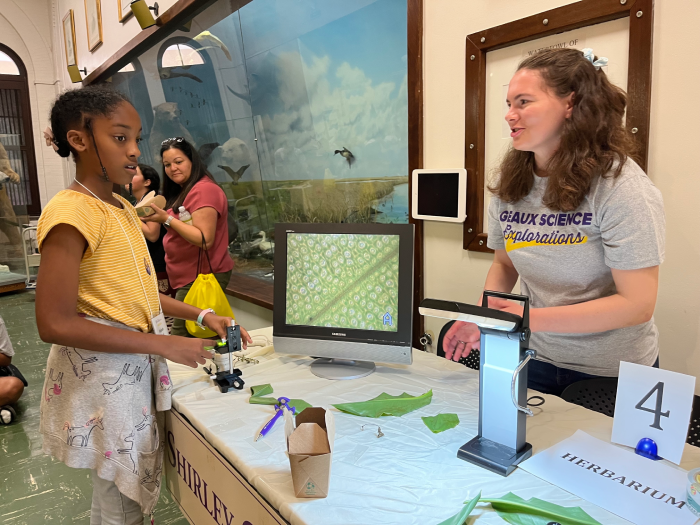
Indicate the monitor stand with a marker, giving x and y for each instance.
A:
(341, 368)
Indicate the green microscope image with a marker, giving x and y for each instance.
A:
(343, 281)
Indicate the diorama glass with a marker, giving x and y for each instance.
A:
(298, 110)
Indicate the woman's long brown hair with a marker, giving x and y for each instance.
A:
(591, 140)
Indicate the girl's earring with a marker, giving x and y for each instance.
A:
(130, 191)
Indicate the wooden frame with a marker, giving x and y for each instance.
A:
(92, 45)
(70, 17)
(248, 288)
(123, 17)
(574, 16)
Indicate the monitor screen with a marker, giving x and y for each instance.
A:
(351, 283)
(438, 194)
(343, 280)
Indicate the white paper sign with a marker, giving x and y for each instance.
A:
(656, 404)
(640, 490)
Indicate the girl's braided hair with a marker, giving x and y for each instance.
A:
(75, 108)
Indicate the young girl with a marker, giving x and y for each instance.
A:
(97, 301)
(145, 181)
(578, 221)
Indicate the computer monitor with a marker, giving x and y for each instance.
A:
(344, 294)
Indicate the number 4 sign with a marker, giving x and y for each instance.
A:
(653, 403)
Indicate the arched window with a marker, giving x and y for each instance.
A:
(16, 134)
(178, 55)
(7, 65)
(191, 92)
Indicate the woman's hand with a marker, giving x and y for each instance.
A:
(159, 216)
(460, 340)
(184, 350)
(218, 324)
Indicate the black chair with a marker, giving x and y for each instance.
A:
(595, 394)
(472, 361)
(694, 429)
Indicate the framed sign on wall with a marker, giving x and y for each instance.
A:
(69, 39)
(93, 21)
(618, 29)
(125, 11)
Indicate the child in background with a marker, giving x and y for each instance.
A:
(145, 181)
(97, 301)
(12, 382)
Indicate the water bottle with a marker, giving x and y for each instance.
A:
(185, 215)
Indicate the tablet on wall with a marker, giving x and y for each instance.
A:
(440, 195)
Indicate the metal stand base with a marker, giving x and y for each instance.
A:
(493, 456)
(341, 368)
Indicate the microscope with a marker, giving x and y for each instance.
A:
(500, 444)
(225, 376)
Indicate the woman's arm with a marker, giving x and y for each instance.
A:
(502, 275)
(56, 309)
(463, 337)
(203, 222)
(151, 230)
(633, 304)
(174, 308)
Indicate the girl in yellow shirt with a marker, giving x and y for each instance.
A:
(97, 301)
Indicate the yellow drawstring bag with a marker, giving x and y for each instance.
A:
(206, 293)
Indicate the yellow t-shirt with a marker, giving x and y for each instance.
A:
(111, 278)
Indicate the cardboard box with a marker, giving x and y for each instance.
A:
(143, 208)
(310, 450)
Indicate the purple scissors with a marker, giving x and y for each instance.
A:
(283, 403)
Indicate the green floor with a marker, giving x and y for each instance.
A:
(34, 488)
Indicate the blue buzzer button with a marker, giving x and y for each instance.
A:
(647, 447)
(693, 492)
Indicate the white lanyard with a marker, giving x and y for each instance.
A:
(133, 255)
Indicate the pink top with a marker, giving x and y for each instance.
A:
(180, 255)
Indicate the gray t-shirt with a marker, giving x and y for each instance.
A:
(5, 343)
(566, 258)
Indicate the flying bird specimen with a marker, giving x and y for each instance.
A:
(205, 38)
(347, 155)
(235, 175)
(167, 74)
(206, 149)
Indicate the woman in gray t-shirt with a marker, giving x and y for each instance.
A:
(578, 221)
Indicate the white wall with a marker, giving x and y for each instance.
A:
(27, 28)
(114, 33)
(452, 273)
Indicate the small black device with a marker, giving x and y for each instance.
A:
(225, 375)
(439, 194)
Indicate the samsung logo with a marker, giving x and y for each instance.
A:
(338, 333)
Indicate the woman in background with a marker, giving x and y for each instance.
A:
(187, 183)
(145, 181)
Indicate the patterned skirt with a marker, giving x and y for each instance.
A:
(99, 411)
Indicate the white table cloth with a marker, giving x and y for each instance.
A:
(409, 476)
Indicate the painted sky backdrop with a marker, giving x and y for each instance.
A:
(340, 84)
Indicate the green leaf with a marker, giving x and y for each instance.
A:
(517, 511)
(299, 404)
(461, 517)
(261, 390)
(386, 405)
(263, 400)
(441, 422)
